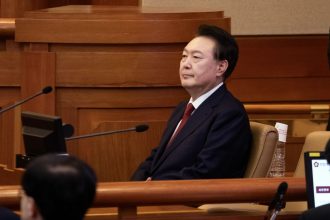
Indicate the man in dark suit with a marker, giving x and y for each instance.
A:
(321, 212)
(212, 137)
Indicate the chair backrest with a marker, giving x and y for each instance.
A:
(315, 141)
(264, 142)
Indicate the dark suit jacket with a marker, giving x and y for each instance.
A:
(319, 213)
(6, 214)
(214, 143)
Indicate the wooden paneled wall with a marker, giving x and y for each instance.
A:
(282, 69)
(10, 81)
(111, 72)
(112, 76)
(17, 8)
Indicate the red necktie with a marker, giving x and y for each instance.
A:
(189, 109)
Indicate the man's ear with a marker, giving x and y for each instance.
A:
(222, 67)
(32, 209)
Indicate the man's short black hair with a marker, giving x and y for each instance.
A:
(63, 187)
(226, 45)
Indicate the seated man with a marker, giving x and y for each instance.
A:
(57, 187)
(321, 212)
(212, 137)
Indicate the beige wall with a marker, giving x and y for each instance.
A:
(261, 16)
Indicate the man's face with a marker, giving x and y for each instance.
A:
(199, 70)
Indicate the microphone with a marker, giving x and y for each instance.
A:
(141, 128)
(45, 90)
(278, 201)
(138, 128)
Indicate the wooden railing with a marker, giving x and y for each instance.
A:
(287, 108)
(7, 27)
(127, 196)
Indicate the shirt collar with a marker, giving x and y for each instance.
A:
(203, 97)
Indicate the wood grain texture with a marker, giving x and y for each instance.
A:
(184, 192)
(10, 176)
(281, 90)
(110, 72)
(7, 139)
(109, 31)
(115, 157)
(116, 25)
(7, 27)
(16, 8)
(118, 69)
(10, 68)
(282, 56)
(38, 71)
(115, 2)
(162, 200)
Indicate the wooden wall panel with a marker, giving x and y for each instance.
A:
(121, 153)
(10, 77)
(122, 32)
(118, 69)
(115, 2)
(57, 3)
(10, 141)
(38, 71)
(282, 56)
(9, 68)
(107, 81)
(96, 110)
(8, 95)
(16, 8)
(118, 97)
(281, 89)
(282, 69)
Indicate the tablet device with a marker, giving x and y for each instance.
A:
(317, 174)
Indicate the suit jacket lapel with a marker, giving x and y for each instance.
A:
(192, 124)
(168, 133)
(198, 117)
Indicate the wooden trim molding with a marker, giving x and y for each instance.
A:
(287, 108)
(185, 192)
(7, 27)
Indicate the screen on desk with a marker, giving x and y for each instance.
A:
(317, 172)
(42, 134)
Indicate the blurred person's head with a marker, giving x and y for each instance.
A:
(57, 187)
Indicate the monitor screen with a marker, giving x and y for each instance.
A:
(42, 134)
(317, 172)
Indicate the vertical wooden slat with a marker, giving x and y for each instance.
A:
(6, 139)
(17, 136)
(38, 71)
(127, 212)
